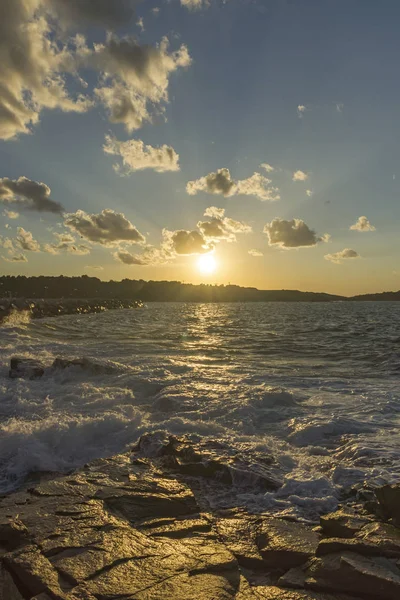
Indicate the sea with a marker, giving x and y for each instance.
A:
(314, 385)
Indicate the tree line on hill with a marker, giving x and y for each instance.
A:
(158, 291)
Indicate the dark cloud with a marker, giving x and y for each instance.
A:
(30, 195)
(108, 228)
(221, 183)
(185, 242)
(291, 234)
(109, 13)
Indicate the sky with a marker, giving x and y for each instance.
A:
(252, 142)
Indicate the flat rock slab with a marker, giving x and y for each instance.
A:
(342, 523)
(389, 500)
(351, 573)
(285, 544)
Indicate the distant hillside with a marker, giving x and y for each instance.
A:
(161, 291)
(148, 291)
(383, 297)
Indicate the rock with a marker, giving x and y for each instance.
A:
(8, 589)
(116, 529)
(294, 578)
(342, 524)
(13, 534)
(355, 574)
(389, 500)
(375, 539)
(207, 459)
(286, 544)
(83, 363)
(239, 533)
(26, 368)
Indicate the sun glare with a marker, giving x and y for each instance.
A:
(206, 264)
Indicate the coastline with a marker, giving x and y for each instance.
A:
(139, 525)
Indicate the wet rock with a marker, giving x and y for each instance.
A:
(286, 544)
(83, 363)
(352, 573)
(342, 523)
(389, 500)
(211, 460)
(25, 368)
(239, 532)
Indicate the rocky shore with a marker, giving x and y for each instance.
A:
(53, 308)
(139, 526)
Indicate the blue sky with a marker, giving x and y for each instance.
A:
(231, 103)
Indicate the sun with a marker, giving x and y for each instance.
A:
(207, 264)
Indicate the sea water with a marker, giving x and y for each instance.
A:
(314, 385)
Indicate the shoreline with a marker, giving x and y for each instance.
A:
(139, 525)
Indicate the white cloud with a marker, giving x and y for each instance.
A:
(10, 214)
(300, 176)
(28, 195)
(220, 227)
(195, 4)
(254, 252)
(108, 228)
(338, 257)
(269, 168)
(221, 183)
(339, 107)
(150, 256)
(291, 234)
(65, 242)
(155, 11)
(38, 59)
(136, 156)
(15, 258)
(362, 224)
(309, 193)
(140, 24)
(34, 62)
(134, 77)
(26, 241)
(301, 109)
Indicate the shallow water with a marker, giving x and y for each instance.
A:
(315, 385)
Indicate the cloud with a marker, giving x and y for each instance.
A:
(28, 195)
(26, 241)
(94, 267)
(108, 228)
(15, 258)
(136, 156)
(39, 61)
(220, 227)
(254, 252)
(101, 12)
(309, 193)
(195, 4)
(66, 243)
(34, 62)
(301, 109)
(291, 234)
(134, 77)
(339, 107)
(155, 11)
(362, 224)
(185, 242)
(10, 214)
(269, 168)
(221, 183)
(345, 254)
(300, 176)
(140, 24)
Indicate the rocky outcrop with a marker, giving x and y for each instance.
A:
(64, 306)
(137, 527)
(28, 368)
